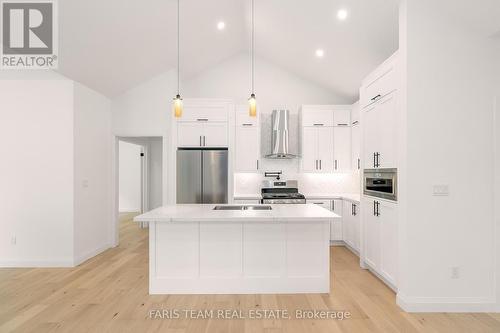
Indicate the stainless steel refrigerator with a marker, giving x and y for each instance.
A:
(202, 175)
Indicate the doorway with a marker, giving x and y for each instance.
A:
(139, 178)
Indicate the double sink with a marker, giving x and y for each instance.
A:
(243, 207)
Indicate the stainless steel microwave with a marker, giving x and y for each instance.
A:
(381, 183)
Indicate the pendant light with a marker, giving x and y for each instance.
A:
(252, 102)
(178, 99)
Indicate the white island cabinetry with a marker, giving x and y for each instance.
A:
(194, 249)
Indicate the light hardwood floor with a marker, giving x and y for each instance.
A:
(109, 293)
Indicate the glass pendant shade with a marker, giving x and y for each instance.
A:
(178, 106)
(252, 106)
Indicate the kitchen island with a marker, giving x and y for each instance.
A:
(194, 249)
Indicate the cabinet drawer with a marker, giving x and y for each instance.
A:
(317, 117)
(203, 113)
(380, 83)
(327, 204)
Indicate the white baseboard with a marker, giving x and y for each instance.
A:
(90, 254)
(446, 304)
(36, 263)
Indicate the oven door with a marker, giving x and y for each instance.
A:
(381, 183)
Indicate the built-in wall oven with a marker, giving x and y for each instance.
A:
(381, 183)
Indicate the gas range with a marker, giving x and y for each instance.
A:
(281, 192)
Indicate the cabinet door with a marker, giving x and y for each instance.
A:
(389, 241)
(325, 149)
(247, 149)
(309, 149)
(189, 134)
(356, 227)
(342, 117)
(215, 134)
(317, 116)
(336, 233)
(342, 149)
(355, 147)
(371, 234)
(386, 144)
(347, 228)
(370, 135)
(204, 112)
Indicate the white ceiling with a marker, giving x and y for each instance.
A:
(113, 45)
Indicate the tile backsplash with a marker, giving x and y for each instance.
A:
(309, 183)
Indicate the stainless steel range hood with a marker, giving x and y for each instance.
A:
(279, 136)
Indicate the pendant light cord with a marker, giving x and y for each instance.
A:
(178, 46)
(253, 48)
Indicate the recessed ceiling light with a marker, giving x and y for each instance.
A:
(342, 14)
(221, 25)
(320, 53)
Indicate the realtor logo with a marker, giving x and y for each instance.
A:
(29, 34)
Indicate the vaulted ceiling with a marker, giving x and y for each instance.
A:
(113, 45)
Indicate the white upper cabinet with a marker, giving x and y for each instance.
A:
(190, 134)
(342, 149)
(215, 134)
(317, 149)
(342, 117)
(379, 95)
(325, 152)
(309, 158)
(317, 115)
(204, 123)
(247, 141)
(356, 147)
(380, 82)
(202, 134)
(355, 114)
(204, 111)
(380, 133)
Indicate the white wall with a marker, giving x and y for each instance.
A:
(92, 173)
(449, 140)
(129, 177)
(36, 173)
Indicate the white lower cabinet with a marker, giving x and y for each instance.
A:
(351, 224)
(381, 238)
(336, 224)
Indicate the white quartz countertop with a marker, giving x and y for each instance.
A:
(206, 213)
(311, 196)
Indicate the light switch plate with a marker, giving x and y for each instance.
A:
(441, 190)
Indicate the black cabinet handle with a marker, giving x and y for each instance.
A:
(257, 164)
(320, 165)
(354, 207)
(374, 98)
(335, 164)
(359, 164)
(318, 124)
(202, 119)
(200, 140)
(333, 204)
(343, 124)
(316, 164)
(355, 122)
(378, 208)
(374, 160)
(247, 124)
(374, 208)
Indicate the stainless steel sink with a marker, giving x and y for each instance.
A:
(243, 207)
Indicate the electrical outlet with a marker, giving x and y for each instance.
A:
(455, 273)
(13, 240)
